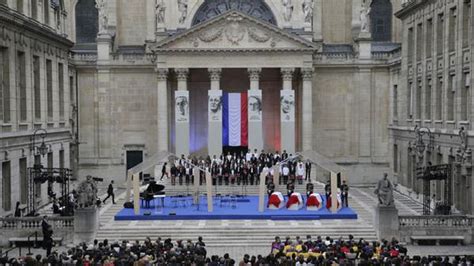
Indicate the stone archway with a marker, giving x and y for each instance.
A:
(255, 8)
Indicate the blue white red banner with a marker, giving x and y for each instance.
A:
(235, 119)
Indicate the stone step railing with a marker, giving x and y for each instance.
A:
(429, 221)
(33, 223)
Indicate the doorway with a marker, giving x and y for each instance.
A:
(134, 157)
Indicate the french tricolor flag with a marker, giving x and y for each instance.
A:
(234, 119)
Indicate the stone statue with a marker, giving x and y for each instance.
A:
(365, 18)
(87, 193)
(160, 12)
(308, 10)
(384, 191)
(183, 9)
(287, 9)
(103, 19)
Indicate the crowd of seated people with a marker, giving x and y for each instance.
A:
(243, 168)
(298, 252)
(328, 251)
(158, 252)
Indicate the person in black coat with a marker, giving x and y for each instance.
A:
(307, 167)
(110, 192)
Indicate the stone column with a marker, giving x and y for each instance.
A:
(182, 112)
(162, 109)
(307, 75)
(317, 21)
(287, 112)
(214, 140)
(255, 110)
(150, 20)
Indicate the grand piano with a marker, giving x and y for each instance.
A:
(152, 192)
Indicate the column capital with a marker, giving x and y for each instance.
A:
(254, 73)
(162, 73)
(287, 73)
(307, 73)
(182, 73)
(215, 74)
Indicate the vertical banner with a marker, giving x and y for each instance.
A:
(181, 100)
(287, 105)
(235, 119)
(255, 105)
(215, 106)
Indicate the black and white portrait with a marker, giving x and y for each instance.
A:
(255, 107)
(182, 106)
(287, 106)
(215, 105)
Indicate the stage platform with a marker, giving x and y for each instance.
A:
(226, 208)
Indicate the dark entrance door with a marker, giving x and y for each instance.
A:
(134, 158)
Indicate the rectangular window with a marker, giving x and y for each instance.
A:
(71, 89)
(34, 9)
(49, 88)
(439, 99)
(410, 100)
(61, 158)
(4, 85)
(411, 45)
(6, 186)
(395, 101)
(37, 87)
(23, 181)
(466, 20)
(21, 83)
(46, 11)
(395, 158)
(61, 91)
(419, 42)
(450, 98)
(38, 185)
(429, 38)
(418, 99)
(428, 88)
(19, 6)
(452, 30)
(440, 35)
(465, 96)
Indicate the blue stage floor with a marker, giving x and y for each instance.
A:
(235, 209)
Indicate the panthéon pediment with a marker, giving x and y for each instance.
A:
(234, 30)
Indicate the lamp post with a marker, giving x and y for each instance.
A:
(42, 148)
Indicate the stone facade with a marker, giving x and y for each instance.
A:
(341, 78)
(35, 94)
(433, 90)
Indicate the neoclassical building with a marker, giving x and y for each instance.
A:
(334, 57)
(360, 75)
(433, 93)
(37, 94)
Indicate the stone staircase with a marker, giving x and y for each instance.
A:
(238, 237)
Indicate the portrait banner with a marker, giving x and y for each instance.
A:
(181, 100)
(255, 105)
(215, 106)
(287, 105)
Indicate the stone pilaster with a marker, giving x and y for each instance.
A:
(182, 112)
(162, 109)
(287, 112)
(255, 110)
(214, 141)
(307, 76)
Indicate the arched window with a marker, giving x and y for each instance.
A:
(381, 20)
(86, 21)
(254, 8)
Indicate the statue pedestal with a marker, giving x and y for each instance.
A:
(364, 41)
(86, 224)
(386, 222)
(104, 43)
